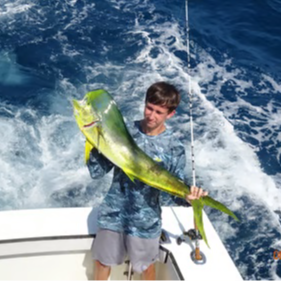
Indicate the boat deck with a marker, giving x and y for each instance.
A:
(56, 244)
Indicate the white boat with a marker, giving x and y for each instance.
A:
(48, 244)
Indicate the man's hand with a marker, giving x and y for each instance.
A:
(195, 193)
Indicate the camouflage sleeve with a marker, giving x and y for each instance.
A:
(98, 165)
(177, 168)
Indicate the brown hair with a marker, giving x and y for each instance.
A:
(164, 94)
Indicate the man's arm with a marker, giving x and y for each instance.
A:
(98, 165)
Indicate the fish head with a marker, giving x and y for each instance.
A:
(84, 113)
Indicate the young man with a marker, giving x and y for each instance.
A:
(129, 217)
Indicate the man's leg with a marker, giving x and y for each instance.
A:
(143, 253)
(149, 273)
(101, 271)
(108, 250)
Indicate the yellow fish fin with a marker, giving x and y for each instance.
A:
(132, 178)
(88, 148)
(157, 159)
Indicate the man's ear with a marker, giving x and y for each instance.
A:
(171, 114)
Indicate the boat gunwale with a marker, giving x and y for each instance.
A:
(168, 254)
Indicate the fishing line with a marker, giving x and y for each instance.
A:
(197, 256)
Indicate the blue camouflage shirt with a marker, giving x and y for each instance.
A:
(135, 208)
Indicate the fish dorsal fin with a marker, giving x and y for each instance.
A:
(88, 149)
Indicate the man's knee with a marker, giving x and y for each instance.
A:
(101, 265)
(101, 271)
(151, 267)
(149, 273)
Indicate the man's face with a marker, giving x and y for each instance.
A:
(156, 115)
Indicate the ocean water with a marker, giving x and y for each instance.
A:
(53, 51)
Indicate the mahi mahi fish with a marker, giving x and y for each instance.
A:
(101, 122)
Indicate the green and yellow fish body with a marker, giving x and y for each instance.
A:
(100, 120)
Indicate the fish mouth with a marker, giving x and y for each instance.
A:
(90, 124)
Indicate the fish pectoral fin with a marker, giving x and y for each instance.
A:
(88, 149)
(132, 178)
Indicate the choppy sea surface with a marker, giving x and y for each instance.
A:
(53, 51)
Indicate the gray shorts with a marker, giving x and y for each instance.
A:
(110, 248)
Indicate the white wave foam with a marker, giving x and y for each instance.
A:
(40, 155)
(10, 9)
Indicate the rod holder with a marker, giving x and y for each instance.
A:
(198, 257)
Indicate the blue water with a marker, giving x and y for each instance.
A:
(52, 51)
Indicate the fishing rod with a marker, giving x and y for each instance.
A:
(196, 255)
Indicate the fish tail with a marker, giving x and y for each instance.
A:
(198, 217)
(207, 200)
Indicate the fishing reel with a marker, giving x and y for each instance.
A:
(192, 234)
(196, 255)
